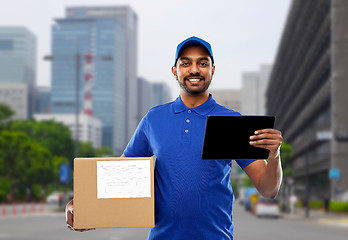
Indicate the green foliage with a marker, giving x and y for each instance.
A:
(285, 151)
(56, 137)
(86, 149)
(37, 191)
(338, 206)
(288, 172)
(235, 187)
(103, 151)
(31, 153)
(247, 182)
(24, 162)
(5, 112)
(285, 155)
(316, 204)
(333, 206)
(56, 162)
(5, 188)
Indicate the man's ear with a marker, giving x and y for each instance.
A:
(174, 72)
(213, 71)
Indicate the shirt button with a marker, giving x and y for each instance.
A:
(187, 120)
(186, 131)
(189, 111)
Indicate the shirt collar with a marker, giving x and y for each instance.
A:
(203, 109)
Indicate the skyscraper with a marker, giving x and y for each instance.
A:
(161, 93)
(18, 69)
(129, 21)
(107, 34)
(43, 100)
(254, 90)
(230, 98)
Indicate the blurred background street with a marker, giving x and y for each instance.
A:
(50, 225)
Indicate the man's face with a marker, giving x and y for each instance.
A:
(194, 70)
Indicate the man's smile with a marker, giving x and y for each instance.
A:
(194, 79)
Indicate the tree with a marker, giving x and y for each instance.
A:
(86, 149)
(54, 136)
(285, 155)
(103, 151)
(5, 112)
(24, 162)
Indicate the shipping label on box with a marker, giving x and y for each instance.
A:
(113, 192)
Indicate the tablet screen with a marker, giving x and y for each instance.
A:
(227, 137)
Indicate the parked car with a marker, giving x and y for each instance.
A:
(53, 198)
(267, 208)
(56, 196)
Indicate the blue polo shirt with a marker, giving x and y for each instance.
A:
(193, 197)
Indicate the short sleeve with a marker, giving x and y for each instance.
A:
(138, 146)
(244, 163)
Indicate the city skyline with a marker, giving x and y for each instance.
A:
(235, 29)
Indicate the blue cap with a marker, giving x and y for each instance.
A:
(193, 41)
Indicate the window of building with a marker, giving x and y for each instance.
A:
(6, 44)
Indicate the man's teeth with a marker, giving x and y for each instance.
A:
(194, 80)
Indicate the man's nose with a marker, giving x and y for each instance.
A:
(194, 69)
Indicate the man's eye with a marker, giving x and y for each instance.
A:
(204, 64)
(184, 64)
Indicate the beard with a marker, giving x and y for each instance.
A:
(187, 89)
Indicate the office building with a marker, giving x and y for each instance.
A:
(43, 100)
(145, 97)
(90, 128)
(230, 98)
(18, 69)
(254, 85)
(128, 19)
(308, 94)
(161, 93)
(108, 34)
(151, 94)
(17, 97)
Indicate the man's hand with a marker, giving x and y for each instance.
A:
(266, 176)
(270, 139)
(69, 216)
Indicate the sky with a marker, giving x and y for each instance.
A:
(243, 33)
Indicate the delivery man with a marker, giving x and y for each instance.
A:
(193, 198)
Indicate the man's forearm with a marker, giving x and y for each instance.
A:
(271, 178)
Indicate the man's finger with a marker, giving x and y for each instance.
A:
(265, 136)
(267, 130)
(70, 219)
(267, 142)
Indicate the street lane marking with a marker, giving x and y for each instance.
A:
(342, 222)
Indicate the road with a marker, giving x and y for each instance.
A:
(248, 227)
(51, 226)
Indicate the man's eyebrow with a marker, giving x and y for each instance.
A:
(187, 58)
(184, 58)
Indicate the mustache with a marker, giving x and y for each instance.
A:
(194, 76)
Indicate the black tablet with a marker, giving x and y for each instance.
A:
(228, 137)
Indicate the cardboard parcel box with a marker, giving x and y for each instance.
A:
(113, 192)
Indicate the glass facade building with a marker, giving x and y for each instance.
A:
(124, 17)
(105, 40)
(17, 55)
(18, 67)
(43, 100)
